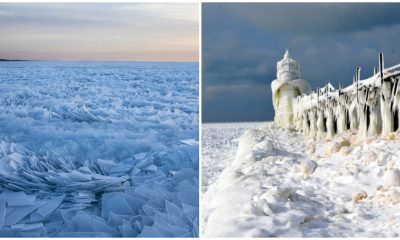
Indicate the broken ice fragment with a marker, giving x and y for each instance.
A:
(78, 176)
(127, 230)
(115, 202)
(81, 222)
(16, 214)
(19, 199)
(120, 168)
(139, 156)
(2, 210)
(16, 157)
(50, 206)
(151, 167)
(190, 141)
(27, 226)
(105, 165)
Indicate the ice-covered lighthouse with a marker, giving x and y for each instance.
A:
(287, 86)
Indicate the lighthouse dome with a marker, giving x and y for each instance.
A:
(288, 69)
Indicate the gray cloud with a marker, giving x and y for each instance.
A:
(313, 18)
(243, 42)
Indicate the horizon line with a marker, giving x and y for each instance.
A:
(86, 60)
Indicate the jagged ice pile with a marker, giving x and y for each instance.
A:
(98, 149)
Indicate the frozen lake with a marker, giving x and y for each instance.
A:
(98, 149)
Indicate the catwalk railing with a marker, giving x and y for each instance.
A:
(368, 107)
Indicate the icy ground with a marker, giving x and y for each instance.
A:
(264, 191)
(98, 149)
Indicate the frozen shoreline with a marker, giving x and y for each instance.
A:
(262, 192)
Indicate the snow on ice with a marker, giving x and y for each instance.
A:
(218, 142)
(352, 188)
(100, 149)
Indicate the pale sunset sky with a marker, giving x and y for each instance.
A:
(99, 31)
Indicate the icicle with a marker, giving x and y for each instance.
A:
(313, 122)
(375, 126)
(329, 122)
(320, 122)
(341, 111)
(362, 113)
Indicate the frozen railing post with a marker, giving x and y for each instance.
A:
(362, 95)
(386, 95)
(381, 65)
(375, 126)
(341, 109)
(396, 102)
(357, 82)
(313, 121)
(330, 129)
(362, 112)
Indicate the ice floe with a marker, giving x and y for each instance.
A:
(98, 149)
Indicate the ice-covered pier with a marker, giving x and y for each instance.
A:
(369, 107)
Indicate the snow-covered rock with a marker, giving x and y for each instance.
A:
(359, 196)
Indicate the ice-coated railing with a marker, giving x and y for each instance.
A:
(369, 107)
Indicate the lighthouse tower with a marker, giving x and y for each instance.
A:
(287, 86)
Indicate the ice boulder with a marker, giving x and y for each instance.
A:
(307, 167)
(277, 194)
(262, 149)
(346, 150)
(392, 177)
(394, 196)
(332, 148)
(336, 146)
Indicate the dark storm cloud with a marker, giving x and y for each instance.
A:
(243, 42)
(311, 18)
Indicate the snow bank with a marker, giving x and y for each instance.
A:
(98, 149)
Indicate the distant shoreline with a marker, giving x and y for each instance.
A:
(11, 60)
